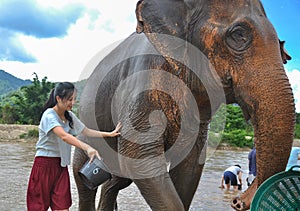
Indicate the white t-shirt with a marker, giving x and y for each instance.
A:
(234, 169)
(49, 144)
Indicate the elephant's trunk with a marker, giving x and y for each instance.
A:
(272, 110)
(273, 120)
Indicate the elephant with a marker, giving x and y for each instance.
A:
(166, 81)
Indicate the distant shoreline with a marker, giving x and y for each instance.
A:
(12, 132)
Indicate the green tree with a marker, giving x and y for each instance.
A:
(234, 118)
(8, 114)
(25, 105)
(8, 109)
(297, 131)
(34, 98)
(216, 127)
(297, 126)
(237, 131)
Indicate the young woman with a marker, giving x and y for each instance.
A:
(49, 182)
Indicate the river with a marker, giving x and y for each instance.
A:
(16, 161)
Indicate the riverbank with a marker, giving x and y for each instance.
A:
(12, 133)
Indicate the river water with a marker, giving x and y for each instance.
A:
(16, 161)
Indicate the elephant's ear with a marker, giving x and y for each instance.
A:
(162, 16)
(164, 21)
(284, 54)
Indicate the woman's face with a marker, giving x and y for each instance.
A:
(67, 103)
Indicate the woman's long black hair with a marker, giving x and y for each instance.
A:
(64, 90)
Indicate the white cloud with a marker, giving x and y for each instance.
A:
(63, 59)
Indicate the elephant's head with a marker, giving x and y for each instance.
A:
(243, 47)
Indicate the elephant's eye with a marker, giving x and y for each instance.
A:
(239, 37)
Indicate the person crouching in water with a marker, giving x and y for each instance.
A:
(49, 181)
(231, 176)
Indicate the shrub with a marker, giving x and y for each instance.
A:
(33, 133)
(297, 131)
(238, 138)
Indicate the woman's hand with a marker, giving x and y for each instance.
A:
(92, 153)
(99, 134)
(116, 131)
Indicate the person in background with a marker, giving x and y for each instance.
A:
(231, 176)
(252, 165)
(294, 159)
(49, 182)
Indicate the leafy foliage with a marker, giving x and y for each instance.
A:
(297, 126)
(229, 126)
(34, 133)
(297, 131)
(25, 105)
(237, 131)
(79, 88)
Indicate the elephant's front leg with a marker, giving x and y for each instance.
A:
(86, 196)
(109, 192)
(148, 169)
(142, 158)
(160, 193)
(186, 174)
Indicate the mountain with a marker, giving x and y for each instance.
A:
(10, 83)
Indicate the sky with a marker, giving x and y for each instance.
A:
(58, 38)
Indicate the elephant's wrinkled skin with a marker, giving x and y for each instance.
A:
(243, 48)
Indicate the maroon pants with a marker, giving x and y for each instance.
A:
(49, 185)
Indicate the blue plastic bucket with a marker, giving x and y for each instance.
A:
(94, 174)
